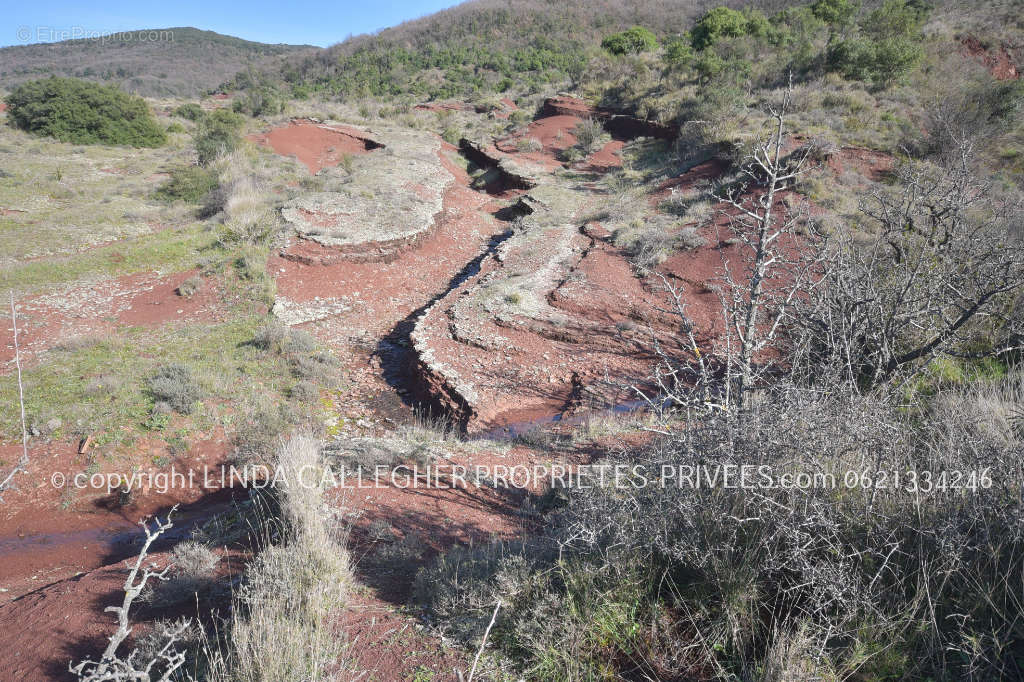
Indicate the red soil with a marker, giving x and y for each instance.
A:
(64, 621)
(998, 61)
(141, 299)
(316, 146)
(868, 163)
(380, 294)
(567, 106)
(554, 134)
(605, 158)
(50, 531)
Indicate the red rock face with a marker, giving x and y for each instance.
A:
(997, 60)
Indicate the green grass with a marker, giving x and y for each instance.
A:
(101, 388)
(66, 197)
(167, 251)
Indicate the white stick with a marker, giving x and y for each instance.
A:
(487, 632)
(23, 462)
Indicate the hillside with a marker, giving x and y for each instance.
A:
(161, 62)
(660, 340)
(477, 46)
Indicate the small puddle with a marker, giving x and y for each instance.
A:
(113, 539)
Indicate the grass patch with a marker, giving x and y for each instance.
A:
(169, 250)
(222, 365)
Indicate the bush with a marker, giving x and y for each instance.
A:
(529, 144)
(678, 53)
(587, 133)
(217, 134)
(888, 47)
(808, 583)
(632, 41)
(283, 620)
(833, 11)
(81, 112)
(190, 184)
(718, 23)
(193, 559)
(305, 392)
(263, 101)
(174, 384)
(190, 111)
(190, 287)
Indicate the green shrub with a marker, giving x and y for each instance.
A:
(83, 113)
(617, 580)
(190, 111)
(217, 134)
(175, 385)
(678, 52)
(888, 47)
(833, 11)
(263, 101)
(718, 23)
(632, 41)
(175, 128)
(190, 184)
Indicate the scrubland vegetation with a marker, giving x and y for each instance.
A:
(866, 208)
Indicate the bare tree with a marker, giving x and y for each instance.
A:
(168, 659)
(772, 256)
(940, 275)
(22, 462)
(777, 262)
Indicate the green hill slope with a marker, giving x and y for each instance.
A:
(159, 62)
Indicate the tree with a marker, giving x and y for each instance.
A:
(888, 47)
(778, 258)
(678, 53)
(632, 41)
(717, 23)
(835, 12)
(939, 275)
(774, 261)
(8, 480)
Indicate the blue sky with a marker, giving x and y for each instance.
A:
(267, 21)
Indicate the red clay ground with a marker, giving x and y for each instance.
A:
(317, 146)
(378, 295)
(96, 309)
(50, 531)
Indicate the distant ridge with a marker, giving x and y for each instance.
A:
(180, 61)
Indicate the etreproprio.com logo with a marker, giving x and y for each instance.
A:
(52, 34)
